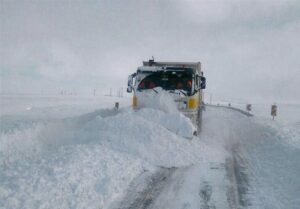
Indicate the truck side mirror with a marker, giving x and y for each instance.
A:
(198, 82)
(130, 83)
(129, 89)
(203, 82)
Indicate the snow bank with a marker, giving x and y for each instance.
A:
(132, 132)
(88, 161)
(289, 133)
(286, 124)
(75, 176)
(54, 164)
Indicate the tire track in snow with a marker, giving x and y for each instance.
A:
(205, 193)
(142, 196)
(239, 181)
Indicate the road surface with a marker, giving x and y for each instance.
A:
(239, 182)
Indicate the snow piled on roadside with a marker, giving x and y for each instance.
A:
(131, 132)
(289, 133)
(51, 165)
(88, 161)
(286, 124)
(77, 176)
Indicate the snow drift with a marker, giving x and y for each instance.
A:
(88, 161)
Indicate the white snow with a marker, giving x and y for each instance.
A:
(164, 111)
(66, 153)
(158, 99)
(88, 160)
(56, 106)
(74, 176)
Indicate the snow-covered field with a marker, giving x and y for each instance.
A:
(78, 152)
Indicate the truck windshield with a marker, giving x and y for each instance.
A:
(169, 80)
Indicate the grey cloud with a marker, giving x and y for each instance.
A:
(249, 49)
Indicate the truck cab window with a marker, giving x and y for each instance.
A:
(168, 81)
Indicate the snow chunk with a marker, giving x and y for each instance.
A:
(175, 122)
(164, 111)
(157, 98)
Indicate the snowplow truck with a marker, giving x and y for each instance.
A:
(183, 80)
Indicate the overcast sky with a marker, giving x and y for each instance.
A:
(250, 50)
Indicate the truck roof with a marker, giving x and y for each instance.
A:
(172, 64)
(152, 66)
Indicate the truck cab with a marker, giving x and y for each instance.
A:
(183, 80)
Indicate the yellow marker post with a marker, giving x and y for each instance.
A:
(134, 102)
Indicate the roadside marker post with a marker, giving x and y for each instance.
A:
(117, 105)
(248, 107)
(274, 111)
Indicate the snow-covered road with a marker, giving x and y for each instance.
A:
(215, 183)
(68, 155)
(260, 170)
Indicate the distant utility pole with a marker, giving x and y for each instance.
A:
(210, 98)
(110, 92)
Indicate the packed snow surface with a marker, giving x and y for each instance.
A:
(67, 152)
